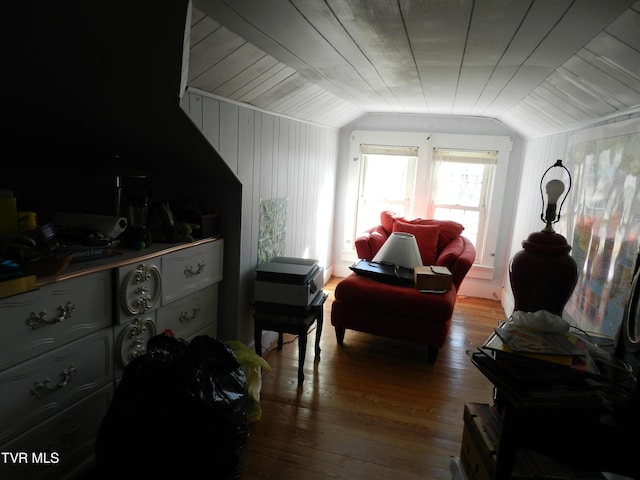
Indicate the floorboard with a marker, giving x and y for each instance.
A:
(371, 409)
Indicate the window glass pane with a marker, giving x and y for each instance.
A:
(386, 184)
(469, 218)
(369, 213)
(459, 184)
(385, 177)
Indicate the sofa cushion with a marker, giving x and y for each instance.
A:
(426, 237)
(448, 228)
(386, 220)
(451, 252)
(399, 301)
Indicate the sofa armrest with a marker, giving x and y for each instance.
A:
(458, 256)
(368, 244)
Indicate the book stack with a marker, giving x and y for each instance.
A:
(83, 253)
(564, 349)
(539, 367)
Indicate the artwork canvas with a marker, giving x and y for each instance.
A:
(605, 220)
(272, 231)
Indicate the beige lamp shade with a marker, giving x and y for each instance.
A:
(400, 249)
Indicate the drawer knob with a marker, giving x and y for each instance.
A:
(37, 320)
(141, 289)
(190, 272)
(132, 341)
(44, 387)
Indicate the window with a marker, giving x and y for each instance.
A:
(386, 183)
(382, 174)
(468, 180)
(437, 175)
(462, 180)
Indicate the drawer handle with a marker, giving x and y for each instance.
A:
(190, 272)
(43, 387)
(68, 438)
(37, 320)
(185, 317)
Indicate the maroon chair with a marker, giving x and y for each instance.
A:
(403, 312)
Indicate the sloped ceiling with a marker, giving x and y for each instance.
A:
(538, 66)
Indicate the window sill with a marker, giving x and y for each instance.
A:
(482, 272)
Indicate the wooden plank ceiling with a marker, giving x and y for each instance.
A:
(539, 66)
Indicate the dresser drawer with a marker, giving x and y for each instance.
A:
(190, 314)
(61, 447)
(210, 330)
(131, 339)
(139, 289)
(38, 388)
(191, 269)
(36, 322)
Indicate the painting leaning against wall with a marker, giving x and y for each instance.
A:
(605, 220)
(272, 233)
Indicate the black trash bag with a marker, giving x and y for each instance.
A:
(179, 408)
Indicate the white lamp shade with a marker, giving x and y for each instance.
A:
(400, 249)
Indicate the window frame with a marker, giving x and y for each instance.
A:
(374, 137)
(366, 152)
(484, 264)
(488, 175)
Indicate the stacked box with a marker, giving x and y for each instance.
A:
(480, 436)
(432, 278)
(479, 451)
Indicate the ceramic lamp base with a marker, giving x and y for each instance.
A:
(543, 274)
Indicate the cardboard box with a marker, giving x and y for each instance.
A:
(480, 445)
(432, 278)
(479, 449)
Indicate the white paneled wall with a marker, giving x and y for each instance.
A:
(273, 157)
(538, 155)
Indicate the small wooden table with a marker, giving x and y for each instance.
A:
(285, 320)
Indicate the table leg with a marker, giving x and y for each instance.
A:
(257, 339)
(319, 331)
(280, 342)
(302, 352)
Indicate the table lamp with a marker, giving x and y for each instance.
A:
(400, 249)
(543, 274)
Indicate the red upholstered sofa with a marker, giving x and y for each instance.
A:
(403, 312)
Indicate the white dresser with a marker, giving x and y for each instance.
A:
(64, 347)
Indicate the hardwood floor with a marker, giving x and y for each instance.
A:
(372, 409)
